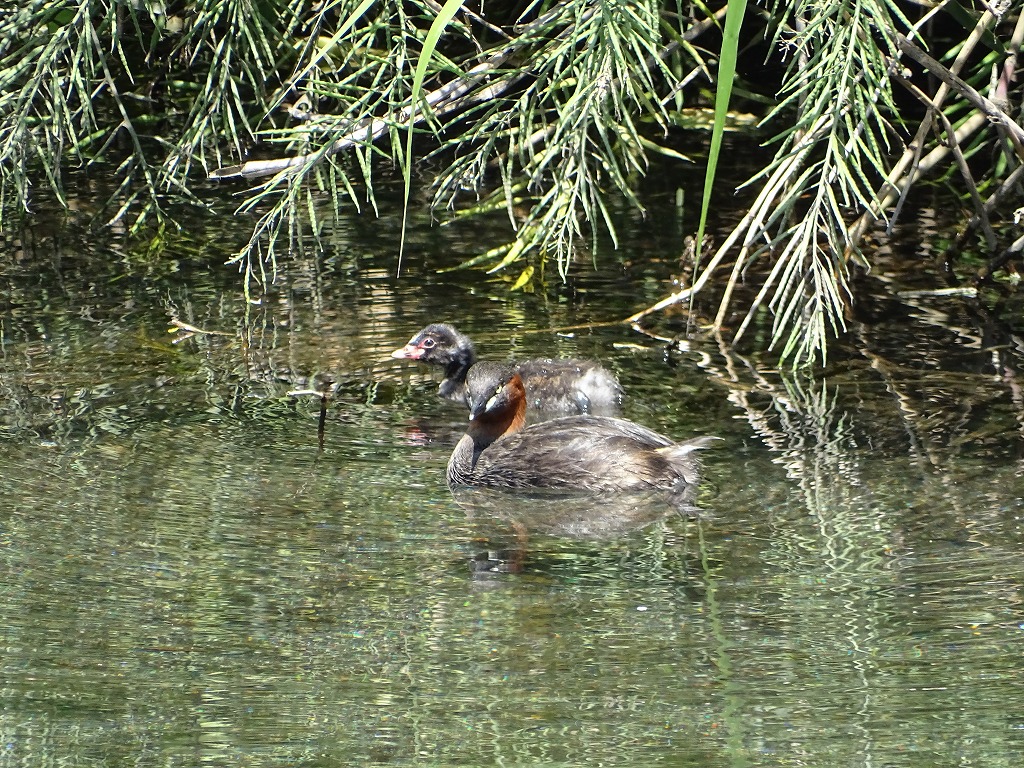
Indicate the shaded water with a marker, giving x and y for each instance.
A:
(187, 577)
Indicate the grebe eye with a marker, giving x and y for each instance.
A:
(428, 343)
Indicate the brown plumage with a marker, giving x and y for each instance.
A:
(575, 453)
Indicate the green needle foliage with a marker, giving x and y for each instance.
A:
(573, 131)
(831, 156)
(550, 110)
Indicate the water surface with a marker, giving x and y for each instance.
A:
(193, 573)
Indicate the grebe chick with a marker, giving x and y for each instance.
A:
(574, 453)
(555, 386)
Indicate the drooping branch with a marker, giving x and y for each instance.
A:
(448, 98)
(455, 95)
(911, 167)
(751, 236)
(461, 92)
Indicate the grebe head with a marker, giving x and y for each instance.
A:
(440, 344)
(495, 393)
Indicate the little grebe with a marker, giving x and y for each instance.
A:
(556, 386)
(596, 454)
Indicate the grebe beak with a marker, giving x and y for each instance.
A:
(480, 407)
(408, 352)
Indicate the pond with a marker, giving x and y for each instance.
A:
(196, 570)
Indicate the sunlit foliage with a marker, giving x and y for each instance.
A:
(549, 110)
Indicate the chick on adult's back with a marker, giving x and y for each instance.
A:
(552, 385)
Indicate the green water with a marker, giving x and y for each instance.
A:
(190, 574)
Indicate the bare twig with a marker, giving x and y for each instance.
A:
(987, 106)
(966, 50)
(961, 161)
